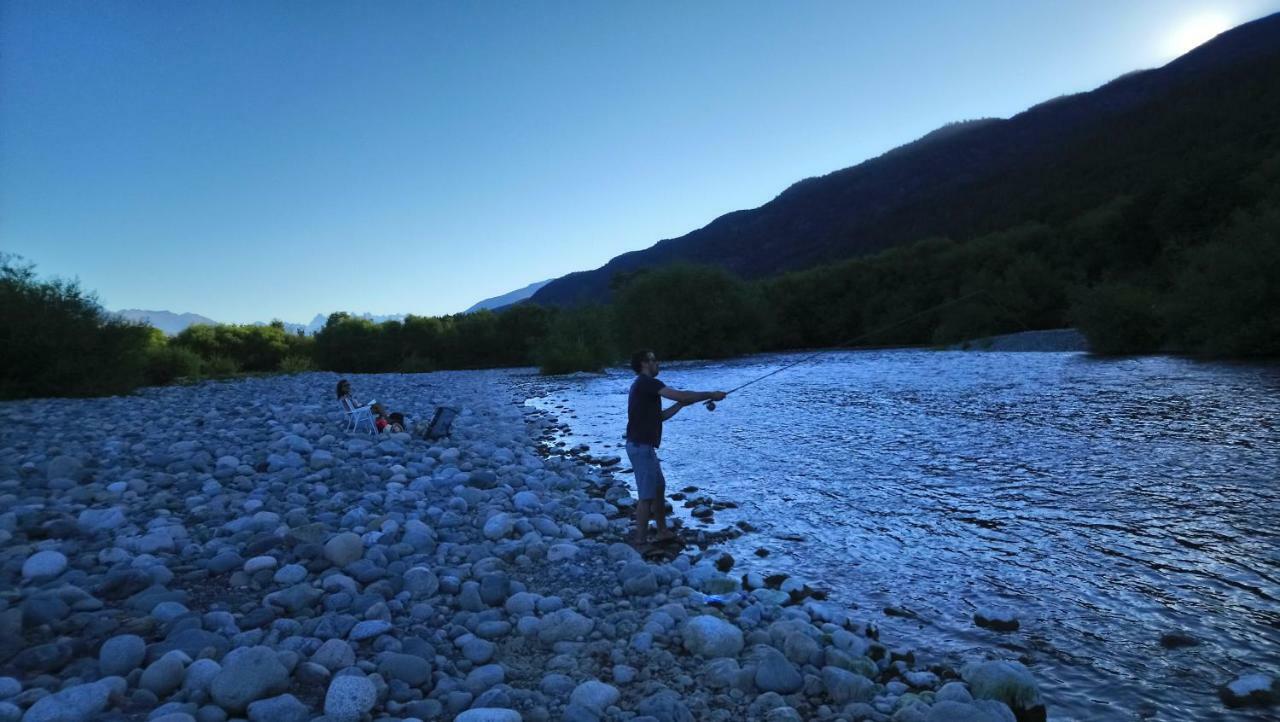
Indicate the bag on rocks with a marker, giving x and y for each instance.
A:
(441, 424)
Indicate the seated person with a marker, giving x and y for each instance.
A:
(396, 423)
(345, 398)
(379, 417)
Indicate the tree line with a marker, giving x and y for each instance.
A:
(1194, 269)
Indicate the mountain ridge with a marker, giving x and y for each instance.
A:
(955, 184)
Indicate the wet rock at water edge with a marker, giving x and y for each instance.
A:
(1251, 690)
(1175, 640)
(1001, 619)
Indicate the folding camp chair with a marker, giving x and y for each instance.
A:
(359, 416)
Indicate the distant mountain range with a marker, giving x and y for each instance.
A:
(1055, 160)
(507, 299)
(174, 323)
(167, 321)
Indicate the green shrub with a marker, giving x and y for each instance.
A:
(296, 364)
(1119, 318)
(1226, 299)
(55, 339)
(577, 340)
(220, 367)
(167, 363)
(416, 364)
(685, 312)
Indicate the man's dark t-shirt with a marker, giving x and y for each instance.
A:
(644, 411)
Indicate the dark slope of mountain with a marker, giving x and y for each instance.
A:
(1209, 110)
(508, 298)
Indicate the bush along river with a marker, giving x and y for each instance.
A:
(1112, 524)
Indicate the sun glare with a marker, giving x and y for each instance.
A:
(1193, 32)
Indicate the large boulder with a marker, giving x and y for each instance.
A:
(1007, 682)
(1250, 690)
(709, 636)
(75, 704)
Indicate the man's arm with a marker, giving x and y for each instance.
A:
(690, 397)
(673, 409)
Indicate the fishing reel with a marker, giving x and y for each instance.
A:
(711, 405)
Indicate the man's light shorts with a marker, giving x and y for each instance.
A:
(644, 460)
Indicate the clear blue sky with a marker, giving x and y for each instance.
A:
(258, 160)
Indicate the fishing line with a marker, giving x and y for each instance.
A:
(711, 404)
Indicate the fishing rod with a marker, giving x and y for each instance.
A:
(711, 405)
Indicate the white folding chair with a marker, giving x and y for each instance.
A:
(358, 416)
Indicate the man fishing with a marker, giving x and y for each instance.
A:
(644, 435)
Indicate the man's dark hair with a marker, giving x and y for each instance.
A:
(639, 357)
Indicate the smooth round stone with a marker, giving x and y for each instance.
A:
(709, 636)
(483, 677)
(593, 523)
(42, 565)
(121, 654)
(410, 669)
(165, 674)
(334, 654)
(478, 651)
(248, 674)
(285, 708)
(369, 629)
(290, 574)
(258, 564)
(489, 714)
(493, 629)
(595, 696)
(624, 674)
(168, 611)
(344, 549)
(776, 674)
(9, 687)
(350, 697)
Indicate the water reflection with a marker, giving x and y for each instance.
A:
(1108, 502)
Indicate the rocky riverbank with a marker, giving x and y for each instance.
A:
(226, 551)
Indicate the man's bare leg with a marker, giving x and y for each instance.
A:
(642, 521)
(660, 512)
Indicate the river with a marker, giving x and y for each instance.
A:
(1106, 502)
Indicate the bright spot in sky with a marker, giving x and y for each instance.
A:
(1195, 31)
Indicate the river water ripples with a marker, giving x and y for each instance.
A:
(1107, 502)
